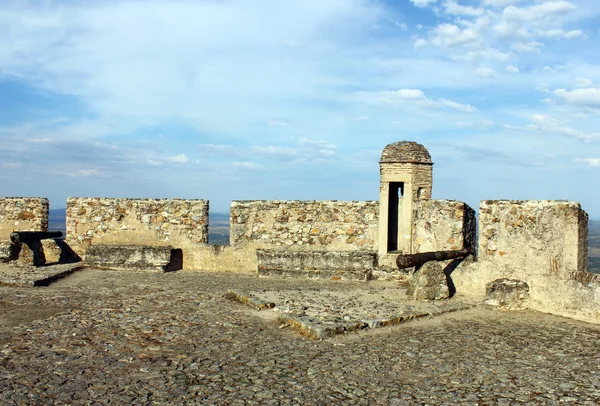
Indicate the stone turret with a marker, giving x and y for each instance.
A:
(405, 176)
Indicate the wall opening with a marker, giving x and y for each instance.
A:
(218, 228)
(395, 194)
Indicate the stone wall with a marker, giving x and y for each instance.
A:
(420, 177)
(441, 225)
(304, 225)
(22, 214)
(542, 243)
(159, 222)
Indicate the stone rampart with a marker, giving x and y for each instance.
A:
(22, 214)
(443, 225)
(438, 225)
(180, 223)
(542, 243)
(304, 225)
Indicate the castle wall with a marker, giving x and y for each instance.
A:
(442, 225)
(304, 225)
(543, 243)
(438, 225)
(179, 223)
(21, 214)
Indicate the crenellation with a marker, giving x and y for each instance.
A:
(533, 246)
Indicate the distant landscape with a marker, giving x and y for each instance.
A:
(218, 233)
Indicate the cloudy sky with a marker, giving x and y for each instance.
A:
(295, 99)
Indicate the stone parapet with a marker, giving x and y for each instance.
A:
(355, 265)
(443, 225)
(181, 223)
(22, 214)
(305, 225)
(134, 257)
(541, 243)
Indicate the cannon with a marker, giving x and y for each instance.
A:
(33, 239)
(410, 260)
(27, 237)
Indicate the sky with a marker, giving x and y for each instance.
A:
(295, 99)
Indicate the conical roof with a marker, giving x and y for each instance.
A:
(405, 152)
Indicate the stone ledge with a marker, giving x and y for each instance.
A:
(134, 257)
(31, 276)
(352, 265)
(324, 313)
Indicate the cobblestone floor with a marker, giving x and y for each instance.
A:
(102, 337)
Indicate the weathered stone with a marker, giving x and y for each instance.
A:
(355, 265)
(429, 283)
(134, 257)
(146, 222)
(304, 224)
(510, 294)
(22, 214)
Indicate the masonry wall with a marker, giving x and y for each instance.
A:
(304, 225)
(438, 225)
(542, 243)
(176, 222)
(442, 225)
(21, 214)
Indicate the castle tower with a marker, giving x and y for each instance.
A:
(405, 176)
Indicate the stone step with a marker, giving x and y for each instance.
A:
(347, 265)
(134, 257)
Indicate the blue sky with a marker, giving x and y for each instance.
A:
(272, 99)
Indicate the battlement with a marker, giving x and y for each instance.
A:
(540, 243)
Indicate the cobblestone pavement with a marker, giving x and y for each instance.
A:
(101, 337)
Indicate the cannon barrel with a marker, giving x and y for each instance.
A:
(409, 260)
(28, 237)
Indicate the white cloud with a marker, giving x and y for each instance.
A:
(588, 97)
(423, 3)
(527, 47)
(420, 42)
(512, 69)
(85, 173)
(467, 108)
(487, 54)
(593, 162)
(417, 97)
(449, 35)
(246, 165)
(179, 159)
(583, 82)
(453, 8)
(546, 124)
(541, 19)
(485, 72)
(275, 123)
(499, 3)
(560, 33)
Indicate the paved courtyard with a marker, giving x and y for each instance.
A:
(106, 337)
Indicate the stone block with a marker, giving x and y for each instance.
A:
(353, 265)
(134, 257)
(429, 283)
(510, 294)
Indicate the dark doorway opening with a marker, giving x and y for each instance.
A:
(395, 194)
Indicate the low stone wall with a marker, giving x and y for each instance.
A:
(352, 265)
(154, 222)
(542, 243)
(443, 225)
(305, 225)
(438, 225)
(22, 214)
